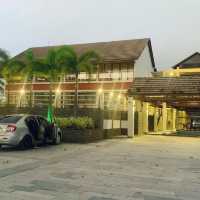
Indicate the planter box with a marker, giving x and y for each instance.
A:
(82, 135)
(112, 133)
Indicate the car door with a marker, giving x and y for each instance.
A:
(42, 128)
(33, 126)
(45, 126)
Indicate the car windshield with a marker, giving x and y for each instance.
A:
(10, 119)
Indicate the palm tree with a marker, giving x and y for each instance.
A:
(47, 68)
(4, 58)
(71, 63)
(9, 69)
(28, 71)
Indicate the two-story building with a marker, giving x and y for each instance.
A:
(121, 61)
(107, 88)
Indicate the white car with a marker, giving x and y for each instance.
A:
(27, 131)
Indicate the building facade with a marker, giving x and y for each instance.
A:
(121, 62)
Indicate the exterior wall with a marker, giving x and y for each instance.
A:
(143, 66)
(88, 94)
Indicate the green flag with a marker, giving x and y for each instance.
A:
(50, 117)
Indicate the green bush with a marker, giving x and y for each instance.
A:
(75, 123)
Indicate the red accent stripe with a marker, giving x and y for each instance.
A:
(70, 86)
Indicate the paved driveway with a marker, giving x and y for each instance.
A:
(149, 167)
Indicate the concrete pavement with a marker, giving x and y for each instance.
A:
(144, 168)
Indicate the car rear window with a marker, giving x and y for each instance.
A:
(10, 119)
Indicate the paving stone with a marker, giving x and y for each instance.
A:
(100, 198)
(158, 198)
(53, 185)
(143, 168)
(18, 169)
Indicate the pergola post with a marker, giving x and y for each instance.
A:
(145, 106)
(140, 118)
(131, 119)
(174, 119)
(164, 116)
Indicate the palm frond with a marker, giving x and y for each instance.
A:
(89, 56)
(4, 56)
(16, 65)
(39, 67)
(30, 56)
(67, 49)
(66, 59)
(51, 58)
(87, 61)
(86, 67)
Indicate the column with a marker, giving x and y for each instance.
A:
(173, 119)
(100, 105)
(140, 123)
(145, 117)
(164, 116)
(156, 119)
(101, 100)
(131, 114)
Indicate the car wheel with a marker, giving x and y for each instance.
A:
(57, 140)
(26, 143)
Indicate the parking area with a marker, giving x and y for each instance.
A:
(149, 168)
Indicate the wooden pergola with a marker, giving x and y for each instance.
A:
(179, 92)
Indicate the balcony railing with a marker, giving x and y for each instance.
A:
(105, 76)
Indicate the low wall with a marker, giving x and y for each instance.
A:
(82, 136)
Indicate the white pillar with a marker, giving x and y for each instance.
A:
(145, 119)
(131, 113)
(174, 119)
(164, 116)
(140, 121)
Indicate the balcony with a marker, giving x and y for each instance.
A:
(104, 76)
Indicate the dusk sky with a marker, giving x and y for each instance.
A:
(172, 25)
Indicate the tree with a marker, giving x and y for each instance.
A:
(28, 71)
(69, 62)
(9, 69)
(47, 68)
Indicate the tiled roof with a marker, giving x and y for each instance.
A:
(124, 50)
(192, 61)
(179, 86)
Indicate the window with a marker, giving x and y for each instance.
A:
(117, 101)
(67, 99)
(10, 119)
(42, 98)
(87, 99)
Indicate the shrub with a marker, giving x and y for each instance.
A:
(75, 123)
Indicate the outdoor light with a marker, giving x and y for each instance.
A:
(22, 91)
(171, 74)
(100, 90)
(58, 91)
